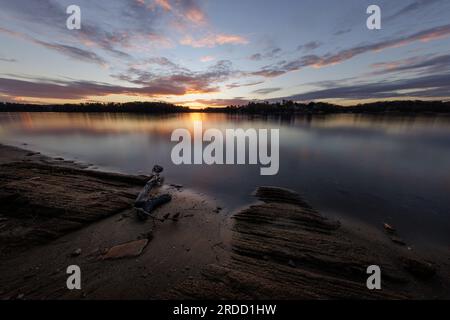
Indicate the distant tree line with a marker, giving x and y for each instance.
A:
(287, 106)
(129, 107)
(282, 107)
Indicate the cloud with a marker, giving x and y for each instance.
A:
(70, 51)
(213, 40)
(165, 4)
(424, 65)
(193, 82)
(427, 86)
(170, 80)
(309, 46)
(7, 60)
(188, 10)
(344, 55)
(417, 5)
(266, 91)
(272, 53)
(112, 28)
(256, 57)
(73, 90)
(239, 85)
(207, 58)
(343, 31)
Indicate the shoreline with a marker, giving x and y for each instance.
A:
(277, 248)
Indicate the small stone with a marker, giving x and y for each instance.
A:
(20, 296)
(420, 269)
(398, 240)
(157, 169)
(76, 252)
(292, 264)
(389, 228)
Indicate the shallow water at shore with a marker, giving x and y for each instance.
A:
(372, 169)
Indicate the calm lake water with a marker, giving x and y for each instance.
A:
(372, 169)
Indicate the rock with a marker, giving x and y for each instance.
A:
(389, 228)
(126, 250)
(76, 252)
(284, 248)
(398, 241)
(157, 169)
(20, 296)
(420, 269)
(176, 216)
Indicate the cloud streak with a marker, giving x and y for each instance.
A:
(423, 65)
(178, 81)
(76, 90)
(427, 86)
(347, 54)
(70, 51)
(213, 40)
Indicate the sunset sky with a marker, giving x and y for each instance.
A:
(220, 52)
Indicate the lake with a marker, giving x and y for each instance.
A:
(370, 169)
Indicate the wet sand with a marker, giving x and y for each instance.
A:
(56, 213)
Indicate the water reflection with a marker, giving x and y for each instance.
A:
(370, 168)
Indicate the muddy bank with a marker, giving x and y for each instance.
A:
(283, 249)
(42, 199)
(55, 213)
(93, 224)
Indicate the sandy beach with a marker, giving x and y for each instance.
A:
(55, 213)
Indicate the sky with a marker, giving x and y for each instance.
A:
(207, 53)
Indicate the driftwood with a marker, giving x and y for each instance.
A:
(146, 203)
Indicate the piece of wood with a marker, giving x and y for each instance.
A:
(144, 195)
(155, 180)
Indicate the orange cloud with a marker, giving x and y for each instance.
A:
(165, 4)
(207, 58)
(213, 40)
(195, 15)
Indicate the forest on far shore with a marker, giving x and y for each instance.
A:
(255, 107)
